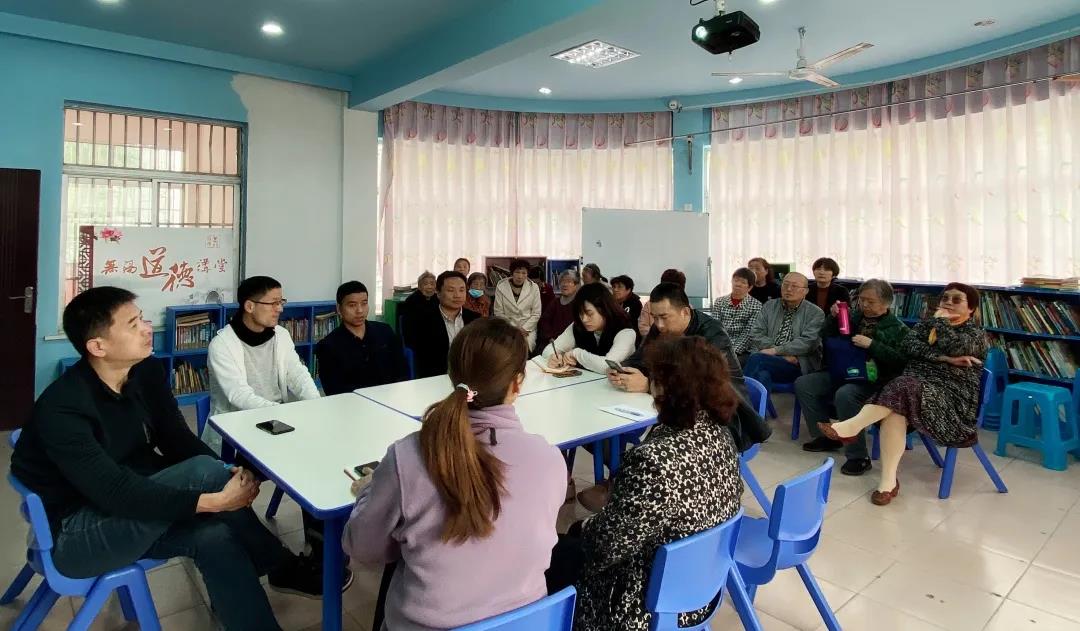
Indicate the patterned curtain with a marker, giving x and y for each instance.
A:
(980, 187)
(463, 182)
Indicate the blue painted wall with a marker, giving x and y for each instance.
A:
(689, 159)
(37, 78)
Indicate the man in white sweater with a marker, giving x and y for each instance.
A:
(517, 300)
(253, 364)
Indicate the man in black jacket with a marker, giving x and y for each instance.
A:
(359, 353)
(123, 478)
(435, 326)
(673, 315)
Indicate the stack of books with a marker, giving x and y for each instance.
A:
(1050, 357)
(193, 331)
(324, 324)
(1025, 313)
(298, 329)
(1049, 282)
(188, 379)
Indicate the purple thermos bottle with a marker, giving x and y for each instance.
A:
(842, 316)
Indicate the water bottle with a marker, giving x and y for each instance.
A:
(842, 316)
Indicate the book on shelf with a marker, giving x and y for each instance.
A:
(1029, 314)
(324, 324)
(298, 328)
(1049, 282)
(193, 331)
(187, 379)
(1049, 357)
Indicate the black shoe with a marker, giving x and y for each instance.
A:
(822, 443)
(856, 466)
(301, 576)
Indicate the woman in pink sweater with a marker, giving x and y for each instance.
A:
(466, 506)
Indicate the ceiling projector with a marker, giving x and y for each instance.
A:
(725, 32)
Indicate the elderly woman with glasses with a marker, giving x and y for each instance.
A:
(938, 392)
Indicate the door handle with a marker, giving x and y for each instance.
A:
(27, 298)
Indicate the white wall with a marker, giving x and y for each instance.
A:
(294, 185)
(359, 212)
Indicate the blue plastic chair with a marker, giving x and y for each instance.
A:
(796, 414)
(998, 366)
(1043, 417)
(202, 412)
(693, 572)
(22, 579)
(788, 536)
(758, 397)
(551, 613)
(129, 582)
(410, 362)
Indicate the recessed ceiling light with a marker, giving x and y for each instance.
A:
(109, 1)
(595, 54)
(735, 80)
(272, 28)
(986, 22)
(767, 1)
(544, 91)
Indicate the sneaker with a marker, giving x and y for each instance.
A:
(302, 576)
(856, 466)
(595, 497)
(822, 443)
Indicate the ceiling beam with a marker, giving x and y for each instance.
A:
(493, 35)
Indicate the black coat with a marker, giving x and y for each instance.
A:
(427, 338)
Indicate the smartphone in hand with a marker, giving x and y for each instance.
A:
(365, 469)
(617, 367)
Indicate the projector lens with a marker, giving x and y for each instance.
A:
(700, 32)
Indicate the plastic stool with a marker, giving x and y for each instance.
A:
(1043, 430)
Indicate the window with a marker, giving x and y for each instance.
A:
(138, 169)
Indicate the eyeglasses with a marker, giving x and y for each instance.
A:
(276, 303)
(953, 299)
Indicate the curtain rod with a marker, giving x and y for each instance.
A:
(856, 110)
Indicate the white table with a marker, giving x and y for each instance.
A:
(332, 434)
(414, 397)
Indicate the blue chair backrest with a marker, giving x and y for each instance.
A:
(202, 412)
(688, 574)
(410, 361)
(797, 514)
(998, 366)
(1076, 395)
(759, 396)
(13, 438)
(551, 613)
(986, 393)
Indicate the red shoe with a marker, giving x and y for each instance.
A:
(830, 433)
(879, 498)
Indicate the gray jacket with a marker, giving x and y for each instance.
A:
(805, 329)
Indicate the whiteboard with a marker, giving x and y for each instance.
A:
(643, 243)
(164, 267)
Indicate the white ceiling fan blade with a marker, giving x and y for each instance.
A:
(844, 54)
(749, 74)
(817, 78)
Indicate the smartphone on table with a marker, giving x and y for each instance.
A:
(617, 367)
(275, 427)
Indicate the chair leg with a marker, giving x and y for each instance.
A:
(18, 585)
(741, 601)
(875, 446)
(141, 603)
(796, 421)
(932, 449)
(755, 487)
(36, 609)
(275, 501)
(827, 615)
(770, 410)
(990, 470)
(598, 461)
(95, 600)
(945, 488)
(123, 594)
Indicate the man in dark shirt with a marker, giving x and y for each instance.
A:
(123, 478)
(358, 353)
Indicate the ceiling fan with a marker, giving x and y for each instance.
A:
(804, 71)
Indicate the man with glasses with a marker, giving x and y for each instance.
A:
(785, 342)
(253, 364)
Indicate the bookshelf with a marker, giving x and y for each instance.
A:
(189, 329)
(1037, 328)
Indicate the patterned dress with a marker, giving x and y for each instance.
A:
(678, 482)
(938, 399)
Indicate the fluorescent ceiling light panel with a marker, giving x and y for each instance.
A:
(595, 54)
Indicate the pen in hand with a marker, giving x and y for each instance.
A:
(349, 475)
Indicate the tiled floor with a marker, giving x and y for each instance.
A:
(977, 561)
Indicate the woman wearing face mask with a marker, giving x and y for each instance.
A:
(478, 300)
(599, 333)
(938, 392)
